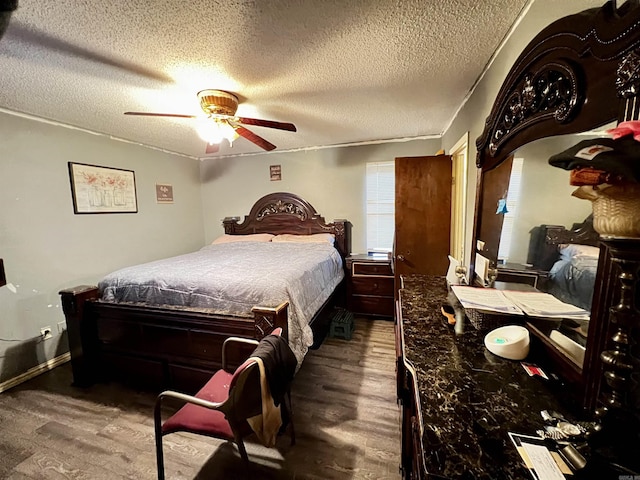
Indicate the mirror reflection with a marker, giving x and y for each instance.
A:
(540, 237)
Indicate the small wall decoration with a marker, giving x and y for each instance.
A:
(275, 172)
(98, 189)
(164, 193)
(3, 277)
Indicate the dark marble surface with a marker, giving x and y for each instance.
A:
(470, 398)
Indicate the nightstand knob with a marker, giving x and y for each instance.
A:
(400, 258)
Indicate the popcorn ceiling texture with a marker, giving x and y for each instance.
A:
(343, 71)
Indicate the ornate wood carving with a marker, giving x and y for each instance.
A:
(582, 233)
(628, 76)
(282, 207)
(568, 79)
(628, 86)
(619, 414)
(551, 92)
(283, 212)
(267, 319)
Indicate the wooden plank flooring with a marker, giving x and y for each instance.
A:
(346, 419)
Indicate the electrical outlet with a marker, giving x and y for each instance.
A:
(45, 333)
(62, 326)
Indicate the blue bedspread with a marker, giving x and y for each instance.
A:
(572, 281)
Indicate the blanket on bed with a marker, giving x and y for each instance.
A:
(231, 278)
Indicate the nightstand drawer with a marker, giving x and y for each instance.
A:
(371, 305)
(372, 286)
(364, 268)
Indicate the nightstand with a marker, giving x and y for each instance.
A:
(518, 273)
(370, 285)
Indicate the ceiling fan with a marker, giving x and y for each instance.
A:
(222, 123)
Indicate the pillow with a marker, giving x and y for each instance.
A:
(570, 250)
(255, 237)
(329, 238)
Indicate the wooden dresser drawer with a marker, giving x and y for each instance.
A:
(364, 268)
(372, 286)
(371, 305)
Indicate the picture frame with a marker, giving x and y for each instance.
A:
(275, 173)
(98, 189)
(164, 193)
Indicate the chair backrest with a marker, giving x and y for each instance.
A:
(244, 389)
(245, 398)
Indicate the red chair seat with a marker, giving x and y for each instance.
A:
(196, 419)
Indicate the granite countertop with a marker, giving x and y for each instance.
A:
(470, 398)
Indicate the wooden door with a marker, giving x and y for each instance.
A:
(423, 215)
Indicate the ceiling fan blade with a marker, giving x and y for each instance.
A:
(145, 114)
(267, 123)
(252, 137)
(212, 148)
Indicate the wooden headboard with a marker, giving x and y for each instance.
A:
(283, 212)
(543, 247)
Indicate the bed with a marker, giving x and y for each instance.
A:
(570, 256)
(158, 325)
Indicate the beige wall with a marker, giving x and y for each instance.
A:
(332, 180)
(47, 248)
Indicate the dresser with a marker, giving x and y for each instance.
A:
(370, 285)
(459, 401)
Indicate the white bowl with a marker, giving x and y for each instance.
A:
(511, 341)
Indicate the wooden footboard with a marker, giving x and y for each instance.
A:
(154, 347)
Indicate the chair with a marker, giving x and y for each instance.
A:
(221, 407)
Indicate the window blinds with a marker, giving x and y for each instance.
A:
(380, 206)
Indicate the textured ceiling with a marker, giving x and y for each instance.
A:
(343, 71)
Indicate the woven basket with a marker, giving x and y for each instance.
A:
(484, 320)
(616, 209)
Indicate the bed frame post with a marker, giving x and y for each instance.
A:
(267, 319)
(79, 331)
(230, 224)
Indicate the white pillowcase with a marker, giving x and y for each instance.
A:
(313, 238)
(254, 237)
(570, 250)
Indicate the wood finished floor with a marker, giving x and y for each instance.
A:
(346, 419)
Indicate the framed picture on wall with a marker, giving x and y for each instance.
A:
(97, 189)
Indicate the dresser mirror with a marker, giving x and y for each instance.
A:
(538, 201)
(578, 75)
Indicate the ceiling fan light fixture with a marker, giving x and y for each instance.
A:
(222, 123)
(214, 131)
(218, 102)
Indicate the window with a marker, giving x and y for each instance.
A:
(381, 197)
(513, 198)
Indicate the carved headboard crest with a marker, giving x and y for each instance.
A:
(282, 207)
(551, 92)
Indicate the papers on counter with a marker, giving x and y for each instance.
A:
(542, 463)
(533, 304)
(488, 299)
(538, 304)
